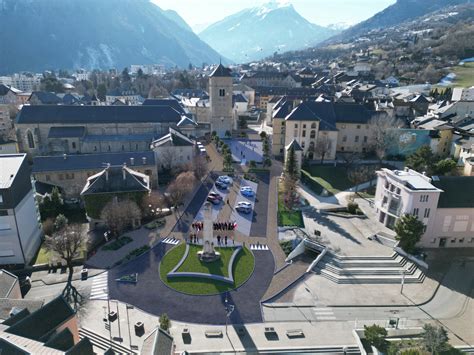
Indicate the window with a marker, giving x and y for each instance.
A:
(48, 178)
(453, 240)
(295, 133)
(427, 213)
(424, 198)
(61, 176)
(3, 213)
(461, 240)
(123, 147)
(303, 144)
(424, 228)
(296, 125)
(95, 148)
(358, 126)
(415, 211)
(365, 139)
(109, 148)
(356, 139)
(313, 125)
(303, 134)
(304, 126)
(312, 134)
(344, 139)
(221, 92)
(31, 140)
(343, 126)
(398, 191)
(73, 145)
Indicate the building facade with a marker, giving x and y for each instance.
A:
(220, 100)
(441, 203)
(20, 228)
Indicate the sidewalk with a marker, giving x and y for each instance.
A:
(39, 278)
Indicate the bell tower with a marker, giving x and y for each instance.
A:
(220, 97)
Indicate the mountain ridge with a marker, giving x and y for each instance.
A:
(94, 34)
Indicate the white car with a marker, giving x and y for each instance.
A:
(244, 207)
(225, 179)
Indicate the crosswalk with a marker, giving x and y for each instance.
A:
(171, 240)
(258, 247)
(323, 313)
(100, 287)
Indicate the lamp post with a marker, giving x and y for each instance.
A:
(127, 307)
(229, 308)
(403, 280)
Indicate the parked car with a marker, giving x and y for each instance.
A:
(243, 207)
(213, 200)
(221, 185)
(247, 191)
(215, 195)
(225, 179)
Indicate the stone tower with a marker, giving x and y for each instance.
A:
(220, 97)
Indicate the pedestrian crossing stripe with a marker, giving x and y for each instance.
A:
(258, 247)
(171, 240)
(324, 313)
(100, 287)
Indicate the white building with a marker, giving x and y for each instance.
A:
(20, 230)
(444, 204)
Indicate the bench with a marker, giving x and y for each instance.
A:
(213, 334)
(294, 333)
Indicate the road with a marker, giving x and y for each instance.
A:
(452, 306)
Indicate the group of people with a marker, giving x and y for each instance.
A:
(224, 226)
(197, 226)
(219, 240)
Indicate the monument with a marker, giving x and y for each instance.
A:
(208, 254)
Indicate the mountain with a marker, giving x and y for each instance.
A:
(401, 11)
(68, 34)
(255, 33)
(174, 16)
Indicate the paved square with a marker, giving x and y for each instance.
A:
(244, 221)
(246, 150)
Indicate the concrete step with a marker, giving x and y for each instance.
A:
(399, 261)
(409, 269)
(103, 343)
(416, 277)
(365, 257)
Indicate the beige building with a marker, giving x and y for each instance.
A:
(173, 150)
(324, 128)
(220, 99)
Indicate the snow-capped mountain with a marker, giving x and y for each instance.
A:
(258, 32)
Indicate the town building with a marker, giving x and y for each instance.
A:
(173, 150)
(113, 184)
(220, 92)
(440, 202)
(70, 172)
(129, 97)
(5, 122)
(51, 329)
(57, 130)
(20, 228)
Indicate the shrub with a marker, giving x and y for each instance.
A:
(286, 246)
(117, 244)
(165, 322)
(156, 223)
(352, 207)
(375, 335)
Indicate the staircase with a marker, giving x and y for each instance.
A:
(368, 269)
(100, 342)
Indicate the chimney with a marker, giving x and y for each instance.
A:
(144, 160)
(407, 168)
(65, 156)
(124, 175)
(132, 161)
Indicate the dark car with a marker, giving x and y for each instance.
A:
(221, 185)
(213, 200)
(215, 195)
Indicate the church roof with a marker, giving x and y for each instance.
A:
(221, 71)
(295, 145)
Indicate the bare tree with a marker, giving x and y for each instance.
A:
(384, 133)
(350, 158)
(167, 158)
(67, 243)
(360, 174)
(323, 146)
(180, 188)
(118, 215)
(199, 166)
(152, 203)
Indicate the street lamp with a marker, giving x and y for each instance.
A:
(229, 308)
(403, 280)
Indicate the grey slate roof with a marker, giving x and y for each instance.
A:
(90, 161)
(112, 180)
(315, 111)
(455, 191)
(97, 114)
(165, 102)
(39, 324)
(174, 138)
(63, 340)
(67, 132)
(221, 71)
(46, 97)
(239, 98)
(295, 145)
(84, 347)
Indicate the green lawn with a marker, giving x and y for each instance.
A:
(42, 257)
(242, 270)
(286, 217)
(464, 75)
(333, 179)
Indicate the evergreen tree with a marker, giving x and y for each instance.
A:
(291, 167)
(409, 230)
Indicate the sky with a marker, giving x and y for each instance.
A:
(199, 13)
